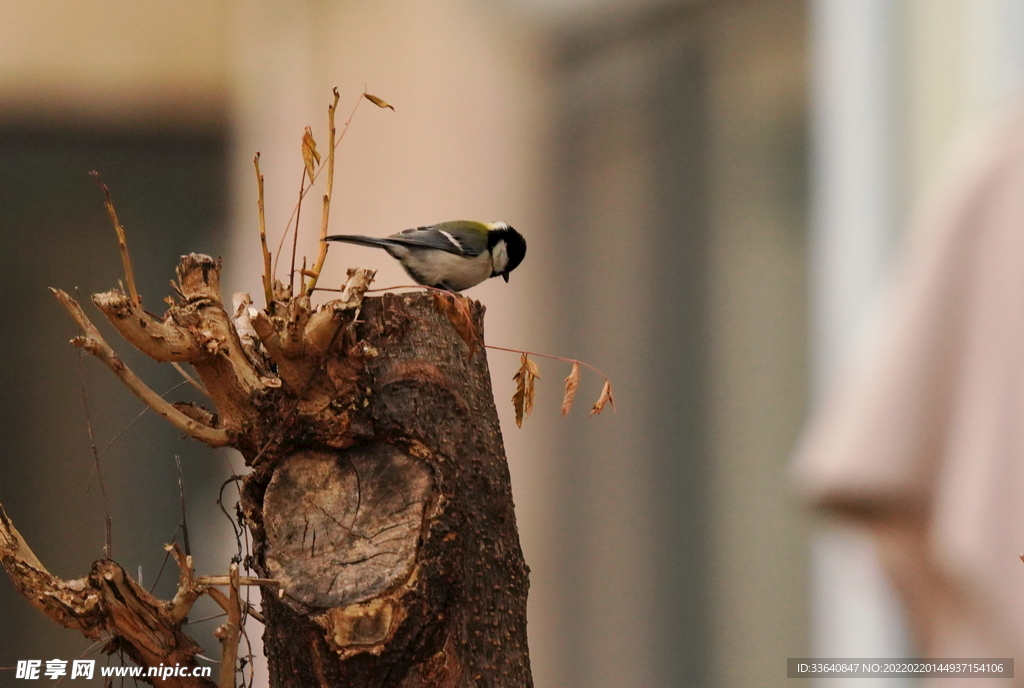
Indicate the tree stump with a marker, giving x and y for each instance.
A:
(379, 500)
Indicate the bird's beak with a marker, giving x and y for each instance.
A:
(505, 275)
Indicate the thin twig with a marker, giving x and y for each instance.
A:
(125, 429)
(319, 169)
(554, 358)
(229, 632)
(325, 216)
(344, 127)
(288, 227)
(248, 659)
(255, 613)
(92, 648)
(241, 580)
(447, 292)
(188, 590)
(167, 557)
(184, 517)
(220, 598)
(107, 545)
(224, 603)
(295, 235)
(205, 618)
(129, 274)
(189, 379)
(220, 503)
(268, 276)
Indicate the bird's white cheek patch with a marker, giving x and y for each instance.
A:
(499, 257)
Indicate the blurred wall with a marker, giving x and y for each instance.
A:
(679, 206)
(114, 62)
(758, 310)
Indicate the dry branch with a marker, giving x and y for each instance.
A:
(122, 242)
(188, 589)
(93, 343)
(106, 603)
(318, 266)
(229, 632)
(297, 339)
(268, 276)
(196, 331)
(162, 341)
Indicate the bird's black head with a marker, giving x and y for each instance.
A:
(507, 248)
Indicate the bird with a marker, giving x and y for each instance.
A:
(453, 256)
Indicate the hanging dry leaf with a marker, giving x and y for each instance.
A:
(310, 156)
(522, 400)
(379, 102)
(571, 383)
(457, 310)
(532, 367)
(605, 398)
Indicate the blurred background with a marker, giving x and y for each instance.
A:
(711, 192)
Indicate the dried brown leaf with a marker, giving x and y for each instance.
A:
(379, 102)
(571, 383)
(532, 367)
(310, 156)
(522, 400)
(605, 398)
(457, 310)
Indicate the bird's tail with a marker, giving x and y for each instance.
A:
(361, 240)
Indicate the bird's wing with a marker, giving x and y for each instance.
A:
(431, 237)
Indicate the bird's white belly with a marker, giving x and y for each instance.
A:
(437, 267)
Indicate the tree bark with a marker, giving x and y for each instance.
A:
(424, 583)
(379, 500)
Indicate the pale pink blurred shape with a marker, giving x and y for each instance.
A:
(921, 440)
